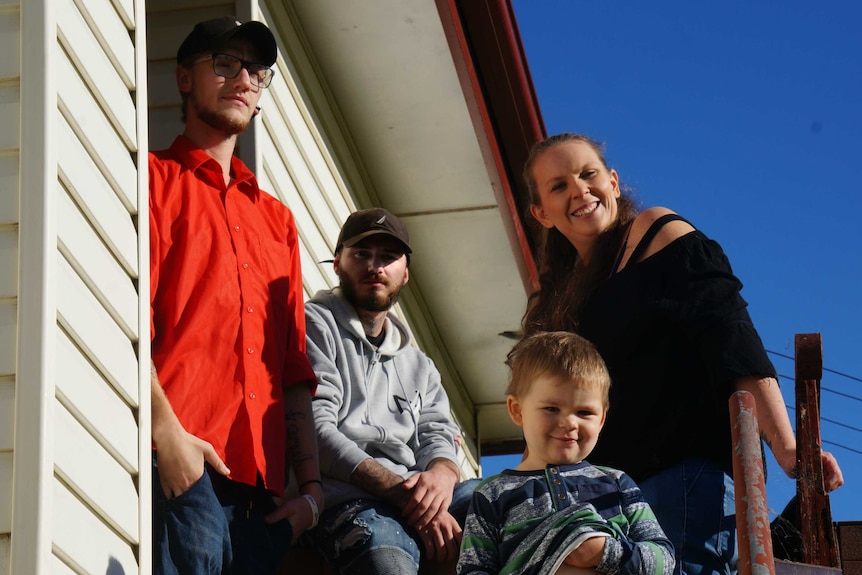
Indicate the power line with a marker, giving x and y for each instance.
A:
(848, 376)
(832, 421)
(836, 444)
(842, 446)
(822, 388)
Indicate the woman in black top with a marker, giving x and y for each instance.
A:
(660, 302)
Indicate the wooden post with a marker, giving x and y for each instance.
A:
(752, 516)
(819, 541)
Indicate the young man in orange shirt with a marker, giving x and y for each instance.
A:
(231, 385)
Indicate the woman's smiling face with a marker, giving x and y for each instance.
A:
(577, 194)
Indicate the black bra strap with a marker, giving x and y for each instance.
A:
(657, 225)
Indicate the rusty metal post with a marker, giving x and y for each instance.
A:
(752, 516)
(819, 541)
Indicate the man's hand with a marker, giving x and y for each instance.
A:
(442, 538)
(181, 457)
(179, 454)
(430, 493)
(588, 554)
(298, 510)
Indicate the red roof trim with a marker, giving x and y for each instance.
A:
(488, 54)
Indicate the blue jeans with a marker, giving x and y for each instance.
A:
(695, 505)
(202, 533)
(365, 537)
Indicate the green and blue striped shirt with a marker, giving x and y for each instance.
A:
(527, 522)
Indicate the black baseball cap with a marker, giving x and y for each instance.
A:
(215, 34)
(364, 223)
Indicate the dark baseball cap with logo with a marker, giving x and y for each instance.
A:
(213, 35)
(364, 223)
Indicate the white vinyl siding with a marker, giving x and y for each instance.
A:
(10, 39)
(295, 161)
(74, 368)
(80, 538)
(96, 457)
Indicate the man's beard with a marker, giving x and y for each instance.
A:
(220, 120)
(373, 301)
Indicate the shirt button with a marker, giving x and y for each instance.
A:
(250, 309)
(561, 496)
(557, 481)
(250, 350)
(554, 470)
(245, 266)
(236, 228)
(251, 395)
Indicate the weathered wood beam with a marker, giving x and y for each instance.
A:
(819, 541)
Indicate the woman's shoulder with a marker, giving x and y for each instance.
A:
(656, 240)
(671, 230)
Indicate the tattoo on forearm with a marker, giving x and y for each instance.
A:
(376, 479)
(293, 419)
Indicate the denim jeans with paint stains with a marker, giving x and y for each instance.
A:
(365, 536)
(695, 505)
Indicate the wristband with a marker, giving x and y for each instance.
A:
(315, 512)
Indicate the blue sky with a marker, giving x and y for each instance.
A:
(744, 117)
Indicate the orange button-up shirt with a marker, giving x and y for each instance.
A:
(226, 308)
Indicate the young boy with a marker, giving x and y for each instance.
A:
(556, 513)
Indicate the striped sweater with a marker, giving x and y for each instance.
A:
(527, 522)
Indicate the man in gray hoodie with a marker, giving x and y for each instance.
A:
(385, 432)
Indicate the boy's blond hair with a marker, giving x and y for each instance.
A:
(561, 354)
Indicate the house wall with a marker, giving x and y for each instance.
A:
(10, 34)
(72, 314)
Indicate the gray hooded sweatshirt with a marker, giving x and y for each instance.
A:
(386, 403)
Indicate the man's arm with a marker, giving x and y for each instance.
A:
(340, 456)
(301, 455)
(300, 383)
(379, 481)
(301, 437)
(433, 488)
(179, 454)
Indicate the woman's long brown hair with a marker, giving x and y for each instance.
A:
(565, 280)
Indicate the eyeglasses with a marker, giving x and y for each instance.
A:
(228, 66)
